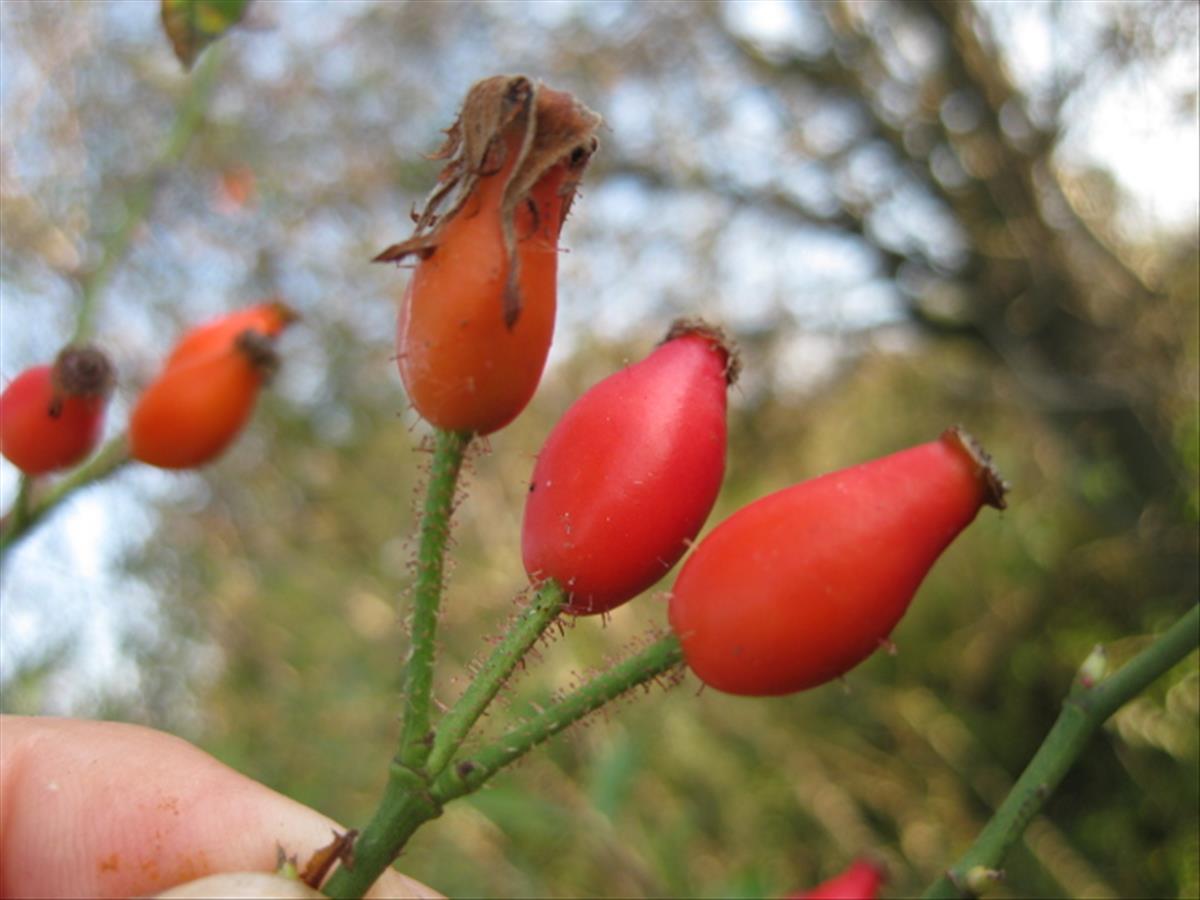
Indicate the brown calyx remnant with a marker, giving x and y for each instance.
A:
(716, 337)
(994, 485)
(553, 128)
(83, 370)
(80, 370)
(259, 349)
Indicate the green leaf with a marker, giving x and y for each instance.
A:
(194, 24)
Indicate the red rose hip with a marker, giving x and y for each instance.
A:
(861, 881)
(202, 399)
(268, 318)
(628, 476)
(52, 417)
(802, 585)
(477, 318)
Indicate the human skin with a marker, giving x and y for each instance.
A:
(104, 809)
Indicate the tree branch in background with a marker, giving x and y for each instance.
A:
(1028, 303)
(188, 119)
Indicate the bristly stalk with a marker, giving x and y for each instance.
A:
(449, 448)
(513, 646)
(28, 509)
(414, 797)
(468, 775)
(406, 801)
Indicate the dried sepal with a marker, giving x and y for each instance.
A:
(553, 127)
(995, 487)
(259, 350)
(474, 147)
(340, 849)
(80, 370)
(716, 337)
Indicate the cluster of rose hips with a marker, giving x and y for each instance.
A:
(789, 592)
(52, 416)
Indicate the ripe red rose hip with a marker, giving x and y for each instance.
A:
(802, 585)
(860, 881)
(477, 318)
(628, 476)
(268, 318)
(52, 417)
(206, 392)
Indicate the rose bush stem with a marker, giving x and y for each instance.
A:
(28, 509)
(449, 448)
(406, 805)
(138, 200)
(1089, 704)
(469, 774)
(411, 799)
(26, 512)
(529, 626)
(406, 801)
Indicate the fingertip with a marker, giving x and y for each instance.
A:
(106, 809)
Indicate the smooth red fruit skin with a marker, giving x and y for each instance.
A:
(268, 318)
(861, 881)
(207, 389)
(628, 476)
(477, 317)
(802, 585)
(36, 441)
(194, 410)
(462, 365)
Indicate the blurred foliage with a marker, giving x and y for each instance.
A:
(887, 220)
(191, 25)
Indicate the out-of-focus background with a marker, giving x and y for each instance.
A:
(910, 214)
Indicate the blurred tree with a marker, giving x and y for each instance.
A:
(885, 202)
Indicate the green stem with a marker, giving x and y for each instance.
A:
(1084, 711)
(410, 800)
(20, 507)
(457, 723)
(469, 774)
(448, 451)
(138, 201)
(27, 510)
(406, 805)
(407, 802)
